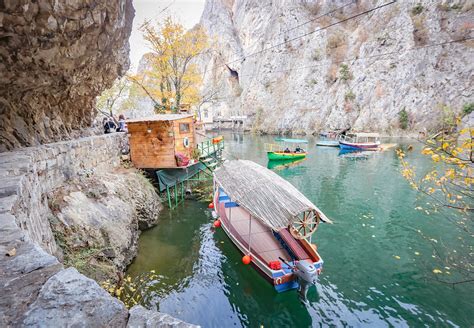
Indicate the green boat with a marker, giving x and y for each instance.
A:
(281, 151)
(281, 155)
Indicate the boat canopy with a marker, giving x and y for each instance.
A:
(365, 135)
(292, 140)
(264, 194)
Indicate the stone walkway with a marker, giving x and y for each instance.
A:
(36, 290)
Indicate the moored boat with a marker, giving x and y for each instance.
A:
(328, 143)
(270, 222)
(360, 141)
(282, 151)
(328, 139)
(281, 155)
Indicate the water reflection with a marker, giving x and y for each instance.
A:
(283, 164)
(363, 284)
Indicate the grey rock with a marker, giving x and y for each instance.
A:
(143, 318)
(297, 86)
(7, 203)
(29, 257)
(53, 70)
(69, 299)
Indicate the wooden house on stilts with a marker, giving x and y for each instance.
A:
(170, 146)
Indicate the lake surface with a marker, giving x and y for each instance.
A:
(377, 271)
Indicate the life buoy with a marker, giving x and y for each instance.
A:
(278, 281)
(186, 142)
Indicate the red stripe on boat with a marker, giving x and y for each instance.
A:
(295, 247)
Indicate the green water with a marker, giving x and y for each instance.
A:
(363, 283)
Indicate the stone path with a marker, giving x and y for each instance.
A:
(36, 290)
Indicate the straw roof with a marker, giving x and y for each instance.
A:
(263, 193)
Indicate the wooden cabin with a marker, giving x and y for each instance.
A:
(155, 141)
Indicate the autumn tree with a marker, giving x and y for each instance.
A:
(449, 184)
(121, 97)
(107, 101)
(172, 77)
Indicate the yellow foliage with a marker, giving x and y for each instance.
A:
(427, 151)
(435, 158)
(172, 77)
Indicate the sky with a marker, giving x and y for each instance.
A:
(187, 12)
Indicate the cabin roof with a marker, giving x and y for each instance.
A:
(263, 193)
(290, 140)
(160, 117)
(365, 134)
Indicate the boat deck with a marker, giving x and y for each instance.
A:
(262, 240)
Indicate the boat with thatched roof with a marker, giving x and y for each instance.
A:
(269, 221)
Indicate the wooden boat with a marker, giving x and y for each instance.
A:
(277, 152)
(360, 141)
(270, 221)
(281, 155)
(328, 139)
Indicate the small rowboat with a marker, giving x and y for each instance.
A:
(328, 139)
(270, 222)
(360, 141)
(281, 155)
(328, 143)
(277, 152)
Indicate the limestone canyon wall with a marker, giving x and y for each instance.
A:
(56, 56)
(359, 73)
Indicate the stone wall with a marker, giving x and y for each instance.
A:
(56, 56)
(31, 173)
(36, 289)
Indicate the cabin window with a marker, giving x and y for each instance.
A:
(183, 127)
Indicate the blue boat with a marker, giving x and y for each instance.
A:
(360, 141)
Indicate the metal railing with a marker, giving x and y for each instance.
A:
(210, 147)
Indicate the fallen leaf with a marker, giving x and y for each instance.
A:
(417, 253)
(437, 271)
(11, 252)
(397, 257)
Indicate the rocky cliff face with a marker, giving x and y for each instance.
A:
(55, 58)
(96, 220)
(359, 73)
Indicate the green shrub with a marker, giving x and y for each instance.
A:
(403, 119)
(349, 96)
(468, 109)
(417, 9)
(316, 55)
(344, 72)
